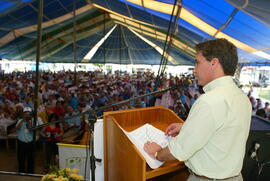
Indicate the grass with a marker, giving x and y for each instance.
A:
(265, 94)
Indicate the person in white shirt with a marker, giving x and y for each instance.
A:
(212, 141)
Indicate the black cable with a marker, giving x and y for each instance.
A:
(175, 24)
(87, 112)
(170, 32)
(166, 40)
(92, 119)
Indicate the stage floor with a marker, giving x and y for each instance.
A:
(8, 158)
(18, 178)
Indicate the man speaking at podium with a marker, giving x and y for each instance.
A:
(212, 140)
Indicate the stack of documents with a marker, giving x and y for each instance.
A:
(146, 133)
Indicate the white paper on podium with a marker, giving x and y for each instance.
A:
(146, 133)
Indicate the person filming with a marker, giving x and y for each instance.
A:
(25, 142)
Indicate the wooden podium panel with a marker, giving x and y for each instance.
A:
(122, 160)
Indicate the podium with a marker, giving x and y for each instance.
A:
(122, 160)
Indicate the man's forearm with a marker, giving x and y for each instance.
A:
(19, 125)
(165, 155)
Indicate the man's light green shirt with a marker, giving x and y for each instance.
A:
(213, 138)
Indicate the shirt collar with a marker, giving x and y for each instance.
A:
(221, 81)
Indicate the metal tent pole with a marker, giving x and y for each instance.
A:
(120, 49)
(38, 55)
(74, 42)
(104, 33)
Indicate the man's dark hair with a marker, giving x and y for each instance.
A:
(222, 49)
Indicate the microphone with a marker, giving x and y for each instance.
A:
(254, 150)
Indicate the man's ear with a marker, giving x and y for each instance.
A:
(215, 61)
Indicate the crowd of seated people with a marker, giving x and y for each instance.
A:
(61, 97)
(258, 107)
(59, 93)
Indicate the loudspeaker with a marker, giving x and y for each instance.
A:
(254, 170)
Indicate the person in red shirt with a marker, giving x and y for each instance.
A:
(53, 134)
(58, 109)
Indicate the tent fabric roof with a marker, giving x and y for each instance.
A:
(136, 30)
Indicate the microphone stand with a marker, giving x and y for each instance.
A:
(92, 119)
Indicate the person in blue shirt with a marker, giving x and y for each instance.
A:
(25, 142)
(27, 102)
(74, 101)
(182, 97)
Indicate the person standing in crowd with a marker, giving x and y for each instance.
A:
(53, 134)
(267, 108)
(212, 141)
(25, 142)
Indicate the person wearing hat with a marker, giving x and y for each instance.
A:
(25, 142)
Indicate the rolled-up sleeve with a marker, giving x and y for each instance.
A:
(195, 133)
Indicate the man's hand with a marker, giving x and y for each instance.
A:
(173, 129)
(151, 148)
